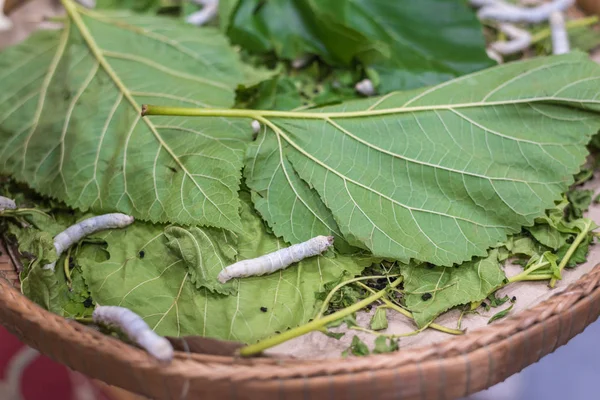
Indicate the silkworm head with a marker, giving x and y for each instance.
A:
(163, 350)
(325, 242)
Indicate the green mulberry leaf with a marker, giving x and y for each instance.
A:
(71, 124)
(159, 288)
(432, 291)
(440, 174)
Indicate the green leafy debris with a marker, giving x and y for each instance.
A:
(579, 202)
(500, 314)
(385, 345)
(379, 320)
(41, 286)
(357, 348)
(344, 297)
(472, 281)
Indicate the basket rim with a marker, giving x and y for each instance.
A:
(23, 317)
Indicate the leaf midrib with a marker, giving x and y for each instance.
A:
(73, 12)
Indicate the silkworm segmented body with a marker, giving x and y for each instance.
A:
(277, 260)
(136, 329)
(520, 40)
(7, 204)
(75, 233)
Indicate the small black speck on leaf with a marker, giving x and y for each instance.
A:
(264, 309)
(426, 296)
(429, 266)
(483, 304)
(88, 302)
(172, 169)
(277, 332)
(514, 298)
(142, 253)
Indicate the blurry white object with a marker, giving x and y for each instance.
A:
(255, 126)
(501, 11)
(5, 22)
(560, 39)
(365, 87)
(207, 13)
(520, 39)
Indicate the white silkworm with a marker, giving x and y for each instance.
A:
(501, 11)
(208, 12)
(560, 39)
(255, 126)
(75, 233)
(520, 40)
(5, 22)
(136, 329)
(277, 260)
(365, 87)
(7, 204)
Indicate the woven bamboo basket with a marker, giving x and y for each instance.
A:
(452, 369)
(455, 368)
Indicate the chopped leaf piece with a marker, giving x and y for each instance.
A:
(497, 302)
(379, 320)
(357, 348)
(41, 286)
(579, 202)
(501, 314)
(470, 282)
(385, 345)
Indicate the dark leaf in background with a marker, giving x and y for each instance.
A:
(406, 43)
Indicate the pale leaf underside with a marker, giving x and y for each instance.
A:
(70, 124)
(439, 174)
